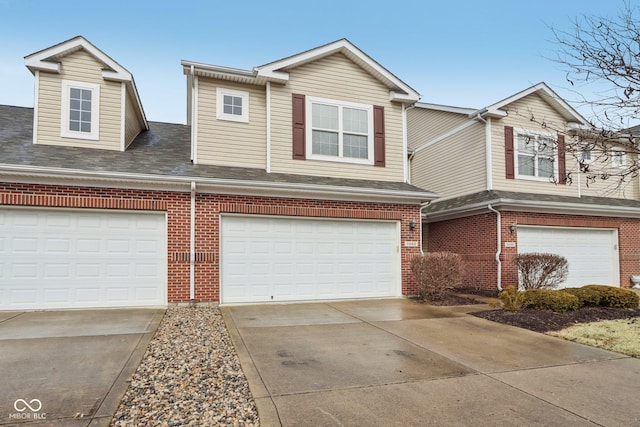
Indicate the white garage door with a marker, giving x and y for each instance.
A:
(592, 253)
(59, 258)
(286, 259)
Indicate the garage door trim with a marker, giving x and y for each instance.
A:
(615, 257)
(397, 273)
(162, 258)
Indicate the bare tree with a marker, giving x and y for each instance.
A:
(604, 53)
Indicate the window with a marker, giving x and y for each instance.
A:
(80, 110)
(585, 155)
(339, 131)
(232, 105)
(618, 159)
(535, 156)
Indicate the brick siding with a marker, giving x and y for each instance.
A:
(177, 206)
(474, 237)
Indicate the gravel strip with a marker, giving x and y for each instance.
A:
(190, 375)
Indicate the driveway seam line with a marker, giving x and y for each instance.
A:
(246, 349)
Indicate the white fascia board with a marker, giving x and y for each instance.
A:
(445, 135)
(211, 185)
(537, 207)
(273, 69)
(39, 60)
(446, 108)
(403, 97)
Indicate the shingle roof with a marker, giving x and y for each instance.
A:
(511, 197)
(163, 150)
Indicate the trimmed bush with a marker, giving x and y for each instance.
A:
(511, 299)
(541, 270)
(436, 272)
(615, 297)
(547, 299)
(588, 297)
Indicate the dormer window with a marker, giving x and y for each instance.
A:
(80, 110)
(232, 105)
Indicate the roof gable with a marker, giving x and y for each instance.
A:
(399, 91)
(548, 95)
(49, 59)
(278, 71)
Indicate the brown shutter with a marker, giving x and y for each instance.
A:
(378, 136)
(562, 169)
(298, 137)
(508, 153)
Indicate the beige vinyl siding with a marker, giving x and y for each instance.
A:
(335, 77)
(82, 67)
(133, 122)
(612, 187)
(227, 143)
(424, 125)
(519, 117)
(453, 166)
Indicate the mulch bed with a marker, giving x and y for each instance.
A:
(535, 320)
(546, 320)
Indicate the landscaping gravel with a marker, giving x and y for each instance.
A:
(190, 375)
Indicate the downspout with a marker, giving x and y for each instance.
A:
(487, 150)
(405, 144)
(192, 243)
(499, 242)
(422, 206)
(194, 116)
(268, 166)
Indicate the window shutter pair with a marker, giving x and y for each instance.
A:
(509, 154)
(298, 136)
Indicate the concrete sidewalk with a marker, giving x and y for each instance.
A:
(400, 363)
(69, 368)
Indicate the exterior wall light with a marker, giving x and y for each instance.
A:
(412, 225)
(512, 228)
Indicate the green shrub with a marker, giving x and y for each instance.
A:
(615, 297)
(511, 299)
(588, 297)
(547, 299)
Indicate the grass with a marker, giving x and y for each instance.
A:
(621, 336)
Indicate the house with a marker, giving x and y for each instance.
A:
(510, 185)
(289, 182)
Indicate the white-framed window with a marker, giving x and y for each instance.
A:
(232, 105)
(618, 159)
(585, 155)
(80, 110)
(535, 156)
(339, 131)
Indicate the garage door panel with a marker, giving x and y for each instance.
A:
(81, 259)
(591, 253)
(306, 259)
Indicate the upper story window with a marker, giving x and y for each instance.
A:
(618, 159)
(339, 131)
(536, 156)
(585, 155)
(232, 105)
(80, 110)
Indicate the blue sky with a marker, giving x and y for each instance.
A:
(461, 53)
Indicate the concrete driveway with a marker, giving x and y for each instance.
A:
(400, 363)
(69, 368)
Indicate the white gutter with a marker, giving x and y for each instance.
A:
(192, 246)
(405, 142)
(220, 183)
(499, 243)
(268, 166)
(487, 151)
(36, 109)
(194, 116)
(422, 206)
